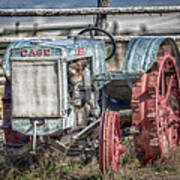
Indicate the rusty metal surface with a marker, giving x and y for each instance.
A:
(155, 107)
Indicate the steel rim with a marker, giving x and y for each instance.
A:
(110, 148)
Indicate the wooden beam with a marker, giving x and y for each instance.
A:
(101, 19)
(90, 11)
(117, 38)
(8, 31)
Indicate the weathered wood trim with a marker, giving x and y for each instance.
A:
(90, 11)
(117, 38)
(42, 29)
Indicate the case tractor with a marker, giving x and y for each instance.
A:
(59, 92)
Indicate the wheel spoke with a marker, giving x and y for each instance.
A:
(162, 83)
(169, 89)
(167, 132)
(118, 148)
(174, 117)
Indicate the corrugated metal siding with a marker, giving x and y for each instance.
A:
(35, 89)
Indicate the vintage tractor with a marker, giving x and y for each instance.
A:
(59, 92)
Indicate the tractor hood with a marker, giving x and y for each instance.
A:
(67, 49)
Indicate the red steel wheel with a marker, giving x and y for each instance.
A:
(156, 109)
(105, 165)
(101, 132)
(143, 103)
(109, 140)
(117, 147)
(110, 148)
(167, 104)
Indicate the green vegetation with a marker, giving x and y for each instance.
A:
(1, 91)
(48, 164)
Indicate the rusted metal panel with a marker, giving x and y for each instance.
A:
(35, 89)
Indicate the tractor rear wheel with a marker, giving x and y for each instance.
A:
(156, 109)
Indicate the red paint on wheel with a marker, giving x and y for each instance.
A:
(111, 148)
(156, 109)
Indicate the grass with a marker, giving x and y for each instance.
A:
(1, 90)
(162, 169)
(48, 164)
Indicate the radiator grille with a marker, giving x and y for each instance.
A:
(35, 91)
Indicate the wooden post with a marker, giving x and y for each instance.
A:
(17, 28)
(35, 29)
(101, 20)
(120, 49)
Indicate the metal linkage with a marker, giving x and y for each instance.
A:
(34, 135)
(89, 11)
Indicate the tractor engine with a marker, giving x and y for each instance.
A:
(81, 93)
